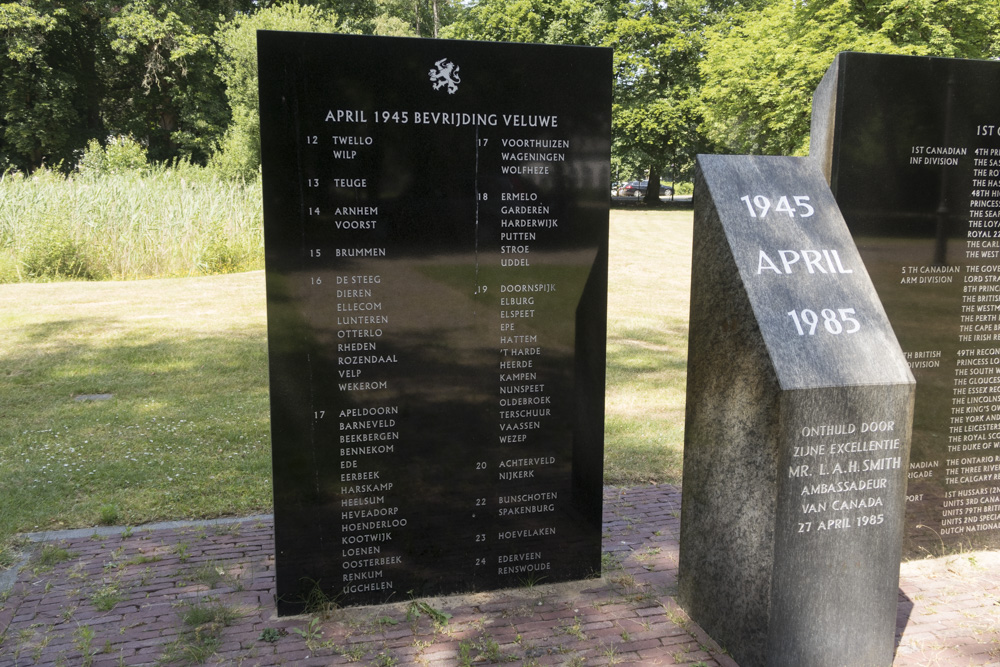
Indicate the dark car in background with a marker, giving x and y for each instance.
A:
(629, 189)
(638, 189)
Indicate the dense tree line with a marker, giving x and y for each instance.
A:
(690, 75)
(173, 74)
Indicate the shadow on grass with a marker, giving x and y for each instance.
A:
(184, 434)
(646, 382)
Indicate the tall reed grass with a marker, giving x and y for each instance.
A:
(156, 222)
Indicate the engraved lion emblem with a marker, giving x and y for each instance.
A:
(445, 74)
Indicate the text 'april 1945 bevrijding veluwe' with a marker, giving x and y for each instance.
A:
(436, 241)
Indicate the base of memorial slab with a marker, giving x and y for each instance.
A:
(204, 591)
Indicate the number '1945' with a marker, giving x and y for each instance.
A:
(763, 205)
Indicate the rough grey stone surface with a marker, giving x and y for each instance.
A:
(824, 119)
(792, 511)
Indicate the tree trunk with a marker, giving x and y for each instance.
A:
(653, 189)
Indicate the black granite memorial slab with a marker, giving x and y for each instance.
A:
(912, 149)
(797, 428)
(436, 221)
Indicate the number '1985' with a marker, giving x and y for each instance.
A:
(836, 322)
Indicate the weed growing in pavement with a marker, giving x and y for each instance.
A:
(574, 630)
(142, 559)
(485, 649)
(520, 611)
(465, 653)
(201, 637)
(648, 553)
(381, 622)
(317, 602)
(272, 635)
(677, 618)
(530, 581)
(209, 574)
(106, 597)
(610, 562)
(312, 632)
(36, 652)
(82, 639)
(490, 651)
(418, 607)
(50, 556)
(232, 529)
(611, 654)
(354, 653)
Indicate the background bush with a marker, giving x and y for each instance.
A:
(121, 218)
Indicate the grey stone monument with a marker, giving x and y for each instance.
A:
(799, 409)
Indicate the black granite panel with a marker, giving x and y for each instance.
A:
(797, 429)
(912, 149)
(436, 220)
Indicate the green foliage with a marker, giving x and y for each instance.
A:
(82, 640)
(47, 81)
(52, 555)
(52, 256)
(163, 86)
(271, 635)
(239, 152)
(112, 222)
(762, 67)
(45, 250)
(195, 615)
(223, 256)
(121, 154)
(202, 637)
(313, 631)
(109, 515)
(657, 110)
(416, 608)
(542, 21)
(107, 597)
(409, 18)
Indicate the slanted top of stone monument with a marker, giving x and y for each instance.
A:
(820, 318)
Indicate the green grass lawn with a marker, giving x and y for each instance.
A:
(185, 433)
(649, 279)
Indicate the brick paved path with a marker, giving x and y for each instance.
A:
(182, 595)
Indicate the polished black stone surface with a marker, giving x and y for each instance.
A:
(912, 149)
(436, 221)
(797, 429)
